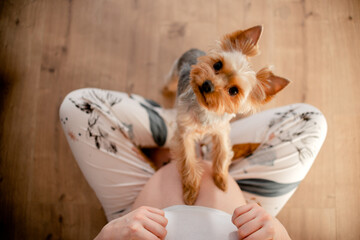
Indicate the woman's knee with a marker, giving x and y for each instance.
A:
(76, 113)
(301, 127)
(69, 101)
(307, 112)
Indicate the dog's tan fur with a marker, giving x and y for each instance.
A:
(202, 114)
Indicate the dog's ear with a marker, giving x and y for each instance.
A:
(243, 40)
(268, 85)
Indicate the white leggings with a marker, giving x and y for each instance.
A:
(106, 130)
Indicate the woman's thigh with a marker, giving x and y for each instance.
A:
(280, 146)
(105, 130)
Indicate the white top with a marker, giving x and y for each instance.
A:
(198, 223)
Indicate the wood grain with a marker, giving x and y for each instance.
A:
(48, 48)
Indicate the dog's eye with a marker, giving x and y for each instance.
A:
(233, 91)
(217, 66)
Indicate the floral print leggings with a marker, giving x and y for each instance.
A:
(106, 130)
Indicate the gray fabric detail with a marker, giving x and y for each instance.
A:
(152, 103)
(266, 188)
(157, 126)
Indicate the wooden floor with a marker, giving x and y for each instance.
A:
(48, 48)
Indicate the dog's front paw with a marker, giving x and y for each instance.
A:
(221, 181)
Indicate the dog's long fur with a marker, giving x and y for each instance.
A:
(205, 109)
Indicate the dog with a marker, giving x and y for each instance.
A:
(211, 89)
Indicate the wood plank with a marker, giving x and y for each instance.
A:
(310, 223)
(18, 113)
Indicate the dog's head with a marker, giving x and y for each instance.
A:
(223, 80)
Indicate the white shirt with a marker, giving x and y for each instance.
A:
(198, 223)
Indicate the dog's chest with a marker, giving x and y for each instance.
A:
(196, 118)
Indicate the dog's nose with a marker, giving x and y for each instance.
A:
(207, 87)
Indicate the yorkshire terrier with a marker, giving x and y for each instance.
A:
(211, 89)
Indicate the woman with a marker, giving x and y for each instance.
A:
(109, 132)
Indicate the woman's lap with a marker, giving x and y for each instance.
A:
(170, 192)
(106, 129)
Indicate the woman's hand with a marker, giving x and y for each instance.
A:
(142, 223)
(253, 222)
